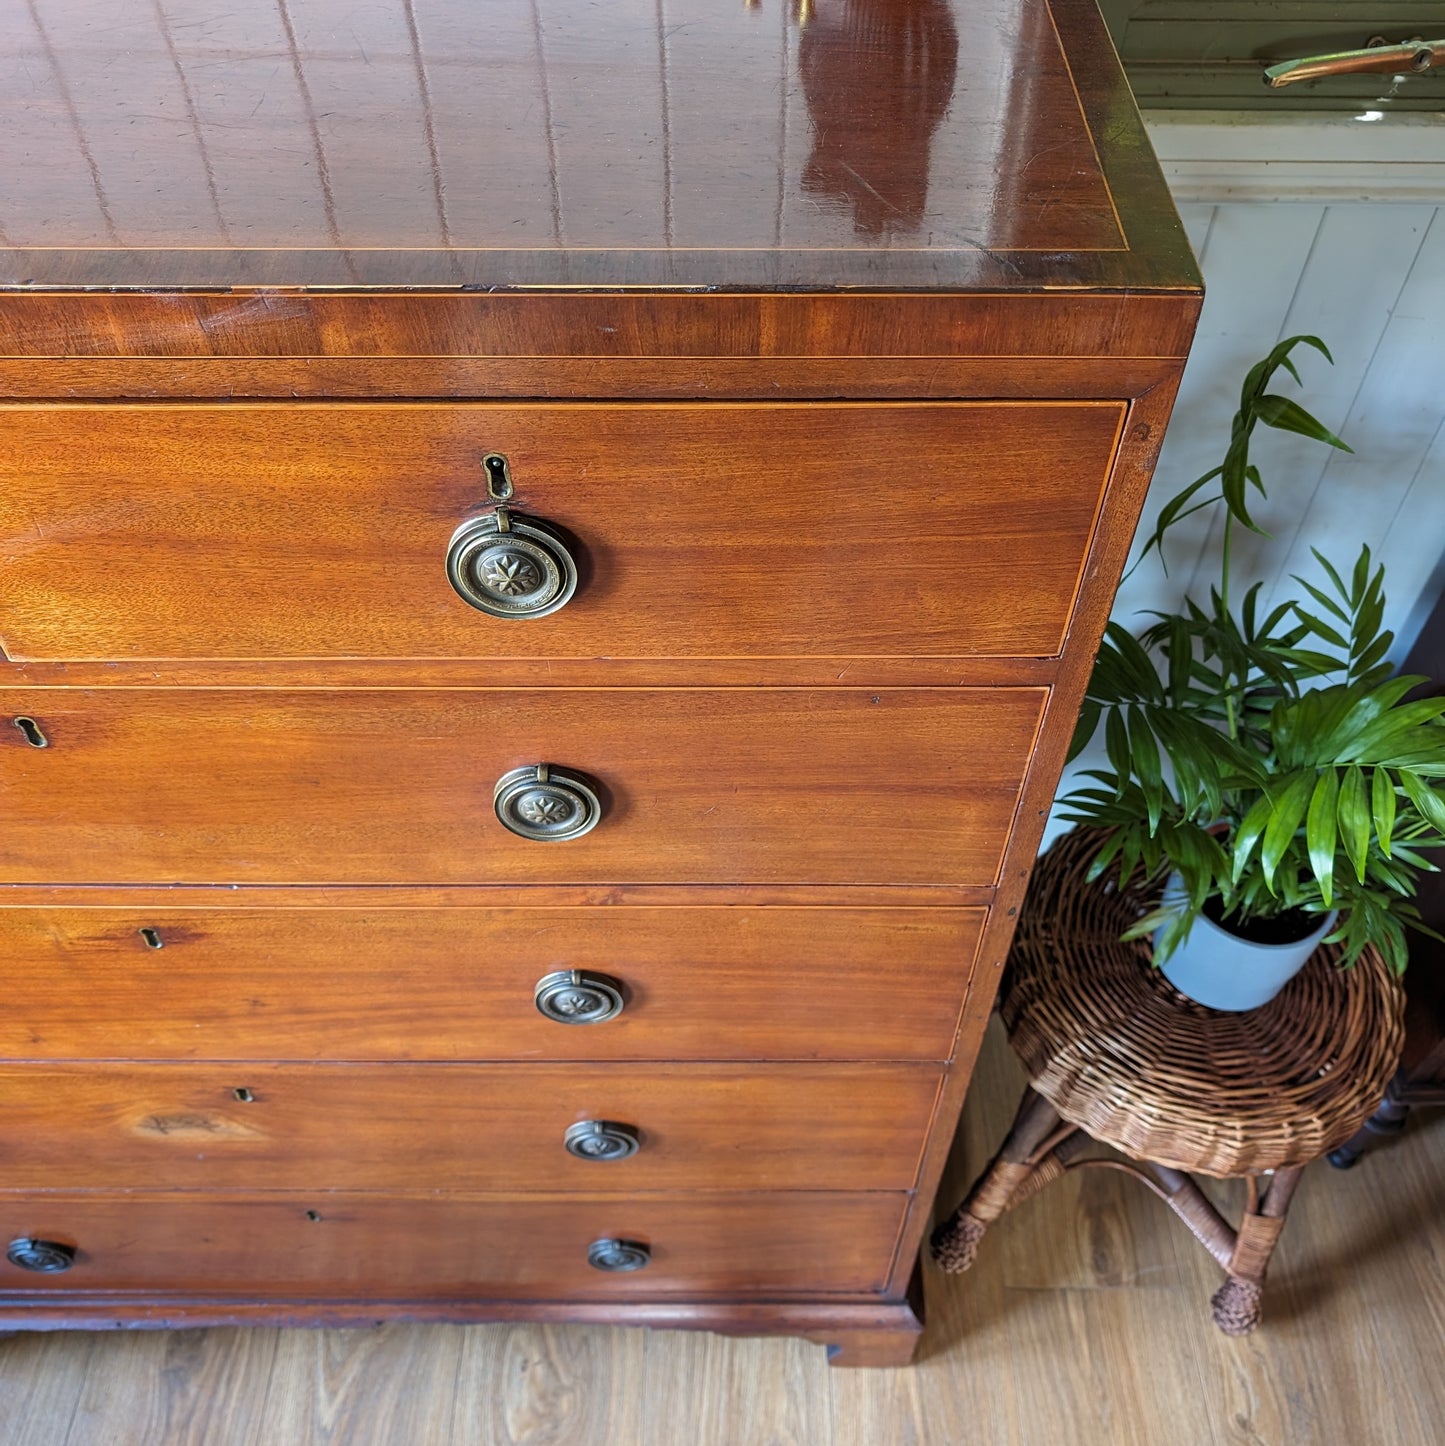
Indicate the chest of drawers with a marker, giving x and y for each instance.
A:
(548, 557)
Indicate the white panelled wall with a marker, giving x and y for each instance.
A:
(1368, 278)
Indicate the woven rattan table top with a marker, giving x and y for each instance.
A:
(1119, 1051)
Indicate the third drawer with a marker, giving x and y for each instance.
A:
(386, 981)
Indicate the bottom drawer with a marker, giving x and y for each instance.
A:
(403, 1247)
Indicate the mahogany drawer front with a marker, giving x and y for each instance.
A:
(832, 786)
(462, 1127)
(401, 1247)
(460, 983)
(715, 530)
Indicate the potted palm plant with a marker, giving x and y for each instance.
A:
(1273, 766)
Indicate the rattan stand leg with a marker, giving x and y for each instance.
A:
(1041, 1147)
(1236, 1304)
(1028, 1161)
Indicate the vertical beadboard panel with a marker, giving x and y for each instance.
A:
(1250, 281)
(1369, 279)
(1383, 495)
(1360, 264)
(1413, 542)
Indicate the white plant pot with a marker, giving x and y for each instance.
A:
(1220, 970)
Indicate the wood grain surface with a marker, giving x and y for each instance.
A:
(401, 982)
(419, 1247)
(529, 344)
(1144, 434)
(821, 327)
(552, 144)
(541, 672)
(472, 896)
(697, 786)
(715, 531)
(1090, 1289)
(323, 1127)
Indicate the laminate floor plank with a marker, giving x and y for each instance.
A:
(1312, 1371)
(42, 1377)
(546, 1385)
(1254, 1389)
(390, 1385)
(1390, 1253)
(708, 1390)
(183, 1388)
(949, 1395)
(1085, 1320)
(1080, 1365)
(1107, 1236)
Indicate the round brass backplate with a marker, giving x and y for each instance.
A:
(515, 567)
(47, 1257)
(540, 803)
(618, 1255)
(574, 996)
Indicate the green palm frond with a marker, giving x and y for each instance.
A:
(1272, 763)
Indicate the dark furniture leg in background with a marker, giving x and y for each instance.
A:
(1421, 1080)
(1420, 1083)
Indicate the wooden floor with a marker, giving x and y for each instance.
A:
(1085, 1321)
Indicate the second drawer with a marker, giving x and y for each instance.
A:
(462, 1127)
(711, 786)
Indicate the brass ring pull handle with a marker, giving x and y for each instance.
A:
(511, 566)
(46, 1257)
(1411, 55)
(573, 996)
(601, 1140)
(544, 804)
(618, 1255)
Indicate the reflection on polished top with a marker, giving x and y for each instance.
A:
(742, 143)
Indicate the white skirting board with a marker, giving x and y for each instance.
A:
(1211, 157)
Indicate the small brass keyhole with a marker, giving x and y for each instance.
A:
(499, 477)
(244, 1096)
(152, 939)
(31, 729)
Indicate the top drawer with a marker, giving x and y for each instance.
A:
(719, 530)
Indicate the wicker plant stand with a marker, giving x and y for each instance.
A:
(1116, 1055)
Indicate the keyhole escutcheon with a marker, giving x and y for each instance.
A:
(499, 477)
(31, 731)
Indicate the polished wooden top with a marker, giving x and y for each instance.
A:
(742, 144)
